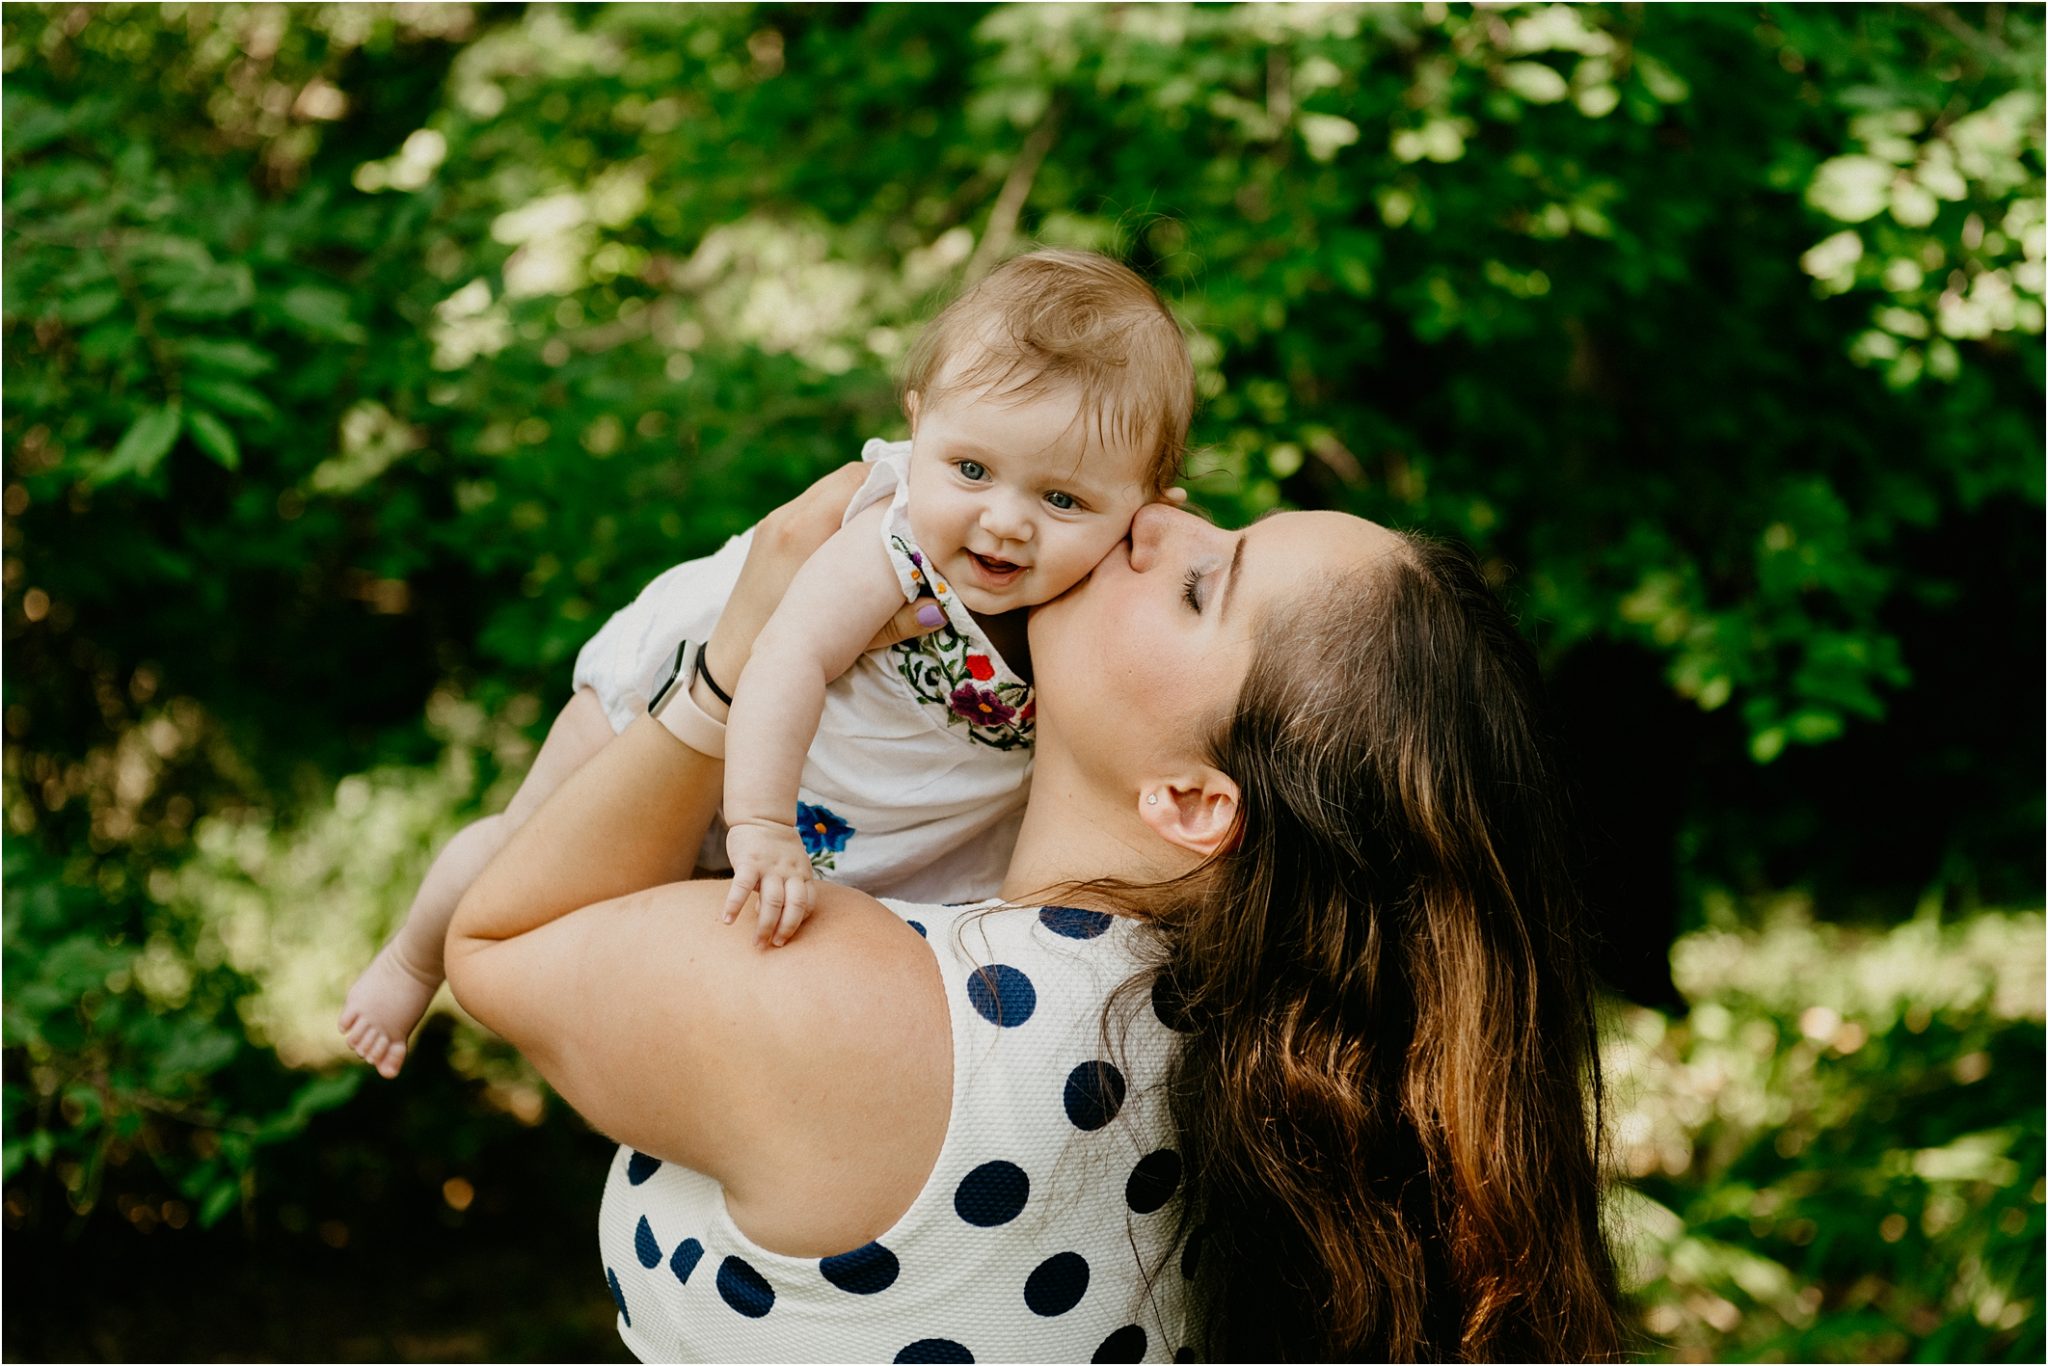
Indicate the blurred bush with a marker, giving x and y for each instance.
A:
(1838, 1155)
(359, 359)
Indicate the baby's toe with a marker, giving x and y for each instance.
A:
(393, 1059)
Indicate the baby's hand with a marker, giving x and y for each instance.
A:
(768, 857)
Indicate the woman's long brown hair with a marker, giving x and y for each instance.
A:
(1388, 1092)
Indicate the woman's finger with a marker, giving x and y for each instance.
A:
(912, 619)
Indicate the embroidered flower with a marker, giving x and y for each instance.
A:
(979, 666)
(821, 831)
(917, 559)
(980, 706)
(1030, 711)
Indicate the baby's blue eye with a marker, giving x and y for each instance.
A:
(972, 471)
(1063, 501)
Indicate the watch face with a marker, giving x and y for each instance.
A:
(675, 674)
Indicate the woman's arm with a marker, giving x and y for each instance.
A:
(676, 1034)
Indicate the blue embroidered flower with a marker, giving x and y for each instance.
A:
(821, 831)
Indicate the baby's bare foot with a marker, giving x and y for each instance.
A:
(383, 1006)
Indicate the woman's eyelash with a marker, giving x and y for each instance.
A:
(1189, 584)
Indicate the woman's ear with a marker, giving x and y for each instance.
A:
(1197, 812)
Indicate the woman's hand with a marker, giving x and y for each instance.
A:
(782, 542)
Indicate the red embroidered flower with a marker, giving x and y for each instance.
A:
(1030, 710)
(979, 666)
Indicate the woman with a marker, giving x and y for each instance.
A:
(1322, 827)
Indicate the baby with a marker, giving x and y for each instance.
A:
(1047, 404)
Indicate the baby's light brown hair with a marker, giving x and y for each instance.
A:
(1053, 318)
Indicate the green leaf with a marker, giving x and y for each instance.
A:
(34, 127)
(1851, 188)
(143, 447)
(86, 306)
(1535, 82)
(1767, 744)
(238, 400)
(227, 356)
(318, 1094)
(215, 294)
(211, 435)
(321, 312)
(218, 1202)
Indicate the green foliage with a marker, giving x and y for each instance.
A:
(125, 1047)
(359, 359)
(1695, 314)
(1838, 1156)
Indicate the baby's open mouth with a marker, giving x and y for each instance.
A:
(994, 568)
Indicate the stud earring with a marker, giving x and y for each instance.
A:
(1152, 799)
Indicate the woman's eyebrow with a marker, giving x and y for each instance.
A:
(1236, 567)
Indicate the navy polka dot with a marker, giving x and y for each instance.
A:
(1003, 995)
(1125, 1344)
(1152, 1181)
(1057, 1285)
(1185, 1354)
(1073, 922)
(1094, 1093)
(640, 1166)
(919, 928)
(684, 1259)
(863, 1271)
(644, 1246)
(611, 1278)
(1191, 1252)
(742, 1287)
(1168, 1005)
(993, 1193)
(935, 1349)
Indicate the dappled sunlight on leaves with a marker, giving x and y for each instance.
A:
(1838, 1154)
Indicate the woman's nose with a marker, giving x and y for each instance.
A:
(1156, 527)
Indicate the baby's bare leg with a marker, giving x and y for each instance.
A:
(393, 993)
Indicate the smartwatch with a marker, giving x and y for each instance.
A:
(679, 713)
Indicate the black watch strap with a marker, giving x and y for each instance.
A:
(704, 672)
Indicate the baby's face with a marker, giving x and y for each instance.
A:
(1014, 501)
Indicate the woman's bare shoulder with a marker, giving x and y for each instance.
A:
(860, 1067)
(812, 1081)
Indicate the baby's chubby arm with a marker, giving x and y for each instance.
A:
(842, 596)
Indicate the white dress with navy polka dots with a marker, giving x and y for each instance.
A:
(1049, 1230)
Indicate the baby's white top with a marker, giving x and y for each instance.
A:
(1049, 1229)
(916, 782)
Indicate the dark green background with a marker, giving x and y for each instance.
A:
(360, 360)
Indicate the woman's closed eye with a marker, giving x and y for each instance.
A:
(1189, 590)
